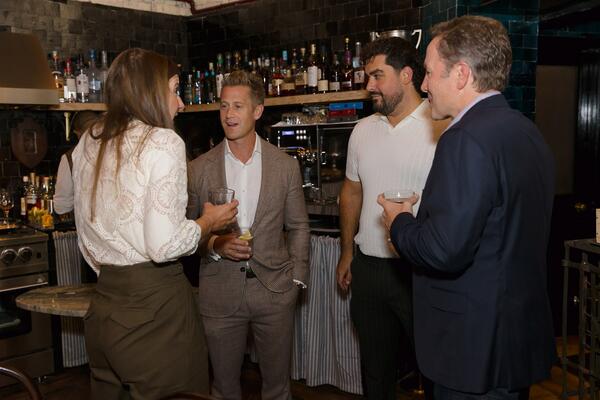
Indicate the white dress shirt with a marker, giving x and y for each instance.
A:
(245, 179)
(140, 211)
(63, 192)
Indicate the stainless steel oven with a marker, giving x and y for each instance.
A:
(25, 337)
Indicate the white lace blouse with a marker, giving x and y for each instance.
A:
(140, 211)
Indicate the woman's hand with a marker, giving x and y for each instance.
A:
(217, 217)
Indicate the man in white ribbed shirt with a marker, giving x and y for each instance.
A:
(391, 149)
(254, 287)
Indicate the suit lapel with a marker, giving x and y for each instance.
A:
(267, 179)
(218, 165)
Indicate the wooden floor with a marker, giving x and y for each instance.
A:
(73, 384)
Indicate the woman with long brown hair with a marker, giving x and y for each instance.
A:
(143, 332)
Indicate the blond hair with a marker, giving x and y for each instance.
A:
(482, 43)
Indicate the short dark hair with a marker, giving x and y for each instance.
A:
(252, 81)
(482, 43)
(399, 53)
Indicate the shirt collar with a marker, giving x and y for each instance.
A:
(479, 98)
(257, 149)
(420, 113)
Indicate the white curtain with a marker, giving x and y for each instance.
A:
(68, 271)
(325, 343)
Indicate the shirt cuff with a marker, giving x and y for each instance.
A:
(300, 284)
(211, 250)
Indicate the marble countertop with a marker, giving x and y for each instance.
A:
(70, 301)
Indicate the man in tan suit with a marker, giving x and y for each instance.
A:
(243, 286)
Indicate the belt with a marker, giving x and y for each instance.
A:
(249, 273)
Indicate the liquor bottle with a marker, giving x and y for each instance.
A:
(236, 61)
(23, 202)
(313, 70)
(335, 75)
(323, 82)
(95, 81)
(82, 82)
(276, 78)
(347, 70)
(70, 88)
(359, 68)
(209, 84)
(104, 69)
(59, 79)
(38, 188)
(266, 75)
(246, 60)
(197, 88)
(301, 73)
(219, 76)
(188, 91)
(47, 203)
(31, 197)
(288, 86)
(227, 65)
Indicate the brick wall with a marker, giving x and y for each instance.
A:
(521, 19)
(73, 27)
(271, 25)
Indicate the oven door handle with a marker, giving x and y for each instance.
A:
(23, 287)
(23, 282)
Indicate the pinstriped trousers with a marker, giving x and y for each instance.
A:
(381, 310)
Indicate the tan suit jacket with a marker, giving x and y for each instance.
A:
(280, 229)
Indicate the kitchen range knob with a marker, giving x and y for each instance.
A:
(8, 256)
(25, 253)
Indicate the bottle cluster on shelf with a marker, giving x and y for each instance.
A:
(78, 80)
(294, 73)
(37, 200)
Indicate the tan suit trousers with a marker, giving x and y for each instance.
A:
(143, 334)
(270, 316)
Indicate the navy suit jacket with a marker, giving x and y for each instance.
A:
(481, 312)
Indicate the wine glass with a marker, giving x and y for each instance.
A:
(6, 203)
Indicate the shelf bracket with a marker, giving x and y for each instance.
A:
(67, 115)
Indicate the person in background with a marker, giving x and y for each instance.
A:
(483, 327)
(142, 330)
(63, 190)
(391, 149)
(253, 287)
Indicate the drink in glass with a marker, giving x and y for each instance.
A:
(219, 196)
(398, 195)
(247, 236)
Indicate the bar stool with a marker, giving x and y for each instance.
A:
(31, 387)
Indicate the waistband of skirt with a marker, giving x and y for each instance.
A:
(138, 276)
(145, 264)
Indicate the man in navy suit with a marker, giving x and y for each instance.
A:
(482, 317)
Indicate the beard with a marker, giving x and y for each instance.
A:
(387, 104)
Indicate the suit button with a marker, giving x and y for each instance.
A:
(243, 269)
